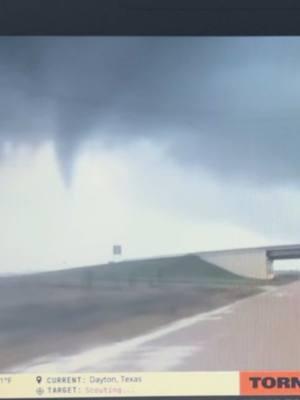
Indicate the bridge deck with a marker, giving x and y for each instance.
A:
(278, 252)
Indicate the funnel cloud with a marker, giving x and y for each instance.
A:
(228, 105)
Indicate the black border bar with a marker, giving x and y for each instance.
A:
(150, 17)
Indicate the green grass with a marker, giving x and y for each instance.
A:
(181, 269)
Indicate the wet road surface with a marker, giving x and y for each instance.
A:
(259, 332)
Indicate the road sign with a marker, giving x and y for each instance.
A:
(117, 250)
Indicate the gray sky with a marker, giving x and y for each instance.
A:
(164, 144)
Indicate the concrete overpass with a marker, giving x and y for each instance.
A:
(251, 262)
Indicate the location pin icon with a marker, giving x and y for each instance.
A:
(39, 379)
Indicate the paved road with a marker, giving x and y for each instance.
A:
(260, 332)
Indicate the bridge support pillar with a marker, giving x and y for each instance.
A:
(251, 263)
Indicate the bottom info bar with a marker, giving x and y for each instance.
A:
(250, 383)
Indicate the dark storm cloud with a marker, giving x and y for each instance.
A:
(230, 105)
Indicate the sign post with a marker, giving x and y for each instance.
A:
(117, 252)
